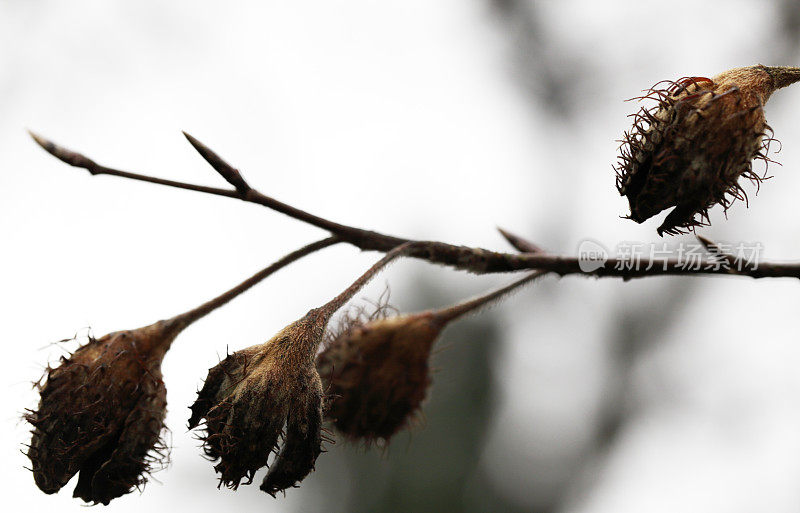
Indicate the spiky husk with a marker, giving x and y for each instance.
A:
(101, 414)
(377, 375)
(690, 149)
(247, 401)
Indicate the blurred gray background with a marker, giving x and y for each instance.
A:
(427, 119)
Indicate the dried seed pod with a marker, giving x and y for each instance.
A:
(377, 373)
(691, 148)
(101, 411)
(249, 397)
(252, 395)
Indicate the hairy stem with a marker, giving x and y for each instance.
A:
(183, 320)
(451, 313)
(336, 303)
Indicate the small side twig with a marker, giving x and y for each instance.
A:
(715, 250)
(520, 244)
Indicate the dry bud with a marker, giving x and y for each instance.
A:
(691, 148)
(257, 395)
(377, 373)
(101, 414)
(251, 395)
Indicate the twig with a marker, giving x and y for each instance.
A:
(476, 260)
(200, 311)
(519, 243)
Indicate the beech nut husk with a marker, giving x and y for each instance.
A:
(101, 414)
(250, 396)
(690, 149)
(377, 375)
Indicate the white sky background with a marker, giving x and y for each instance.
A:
(403, 117)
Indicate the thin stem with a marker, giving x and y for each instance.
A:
(250, 195)
(476, 260)
(78, 160)
(185, 319)
(336, 303)
(449, 314)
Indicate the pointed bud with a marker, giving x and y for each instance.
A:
(228, 172)
(63, 154)
(690, 150)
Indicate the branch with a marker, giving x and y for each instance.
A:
(200, 311)
(475, 260)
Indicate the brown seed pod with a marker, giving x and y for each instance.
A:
(251, 395)
(690, 149)
(257, 395)
(377, 373)
(101, 411)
